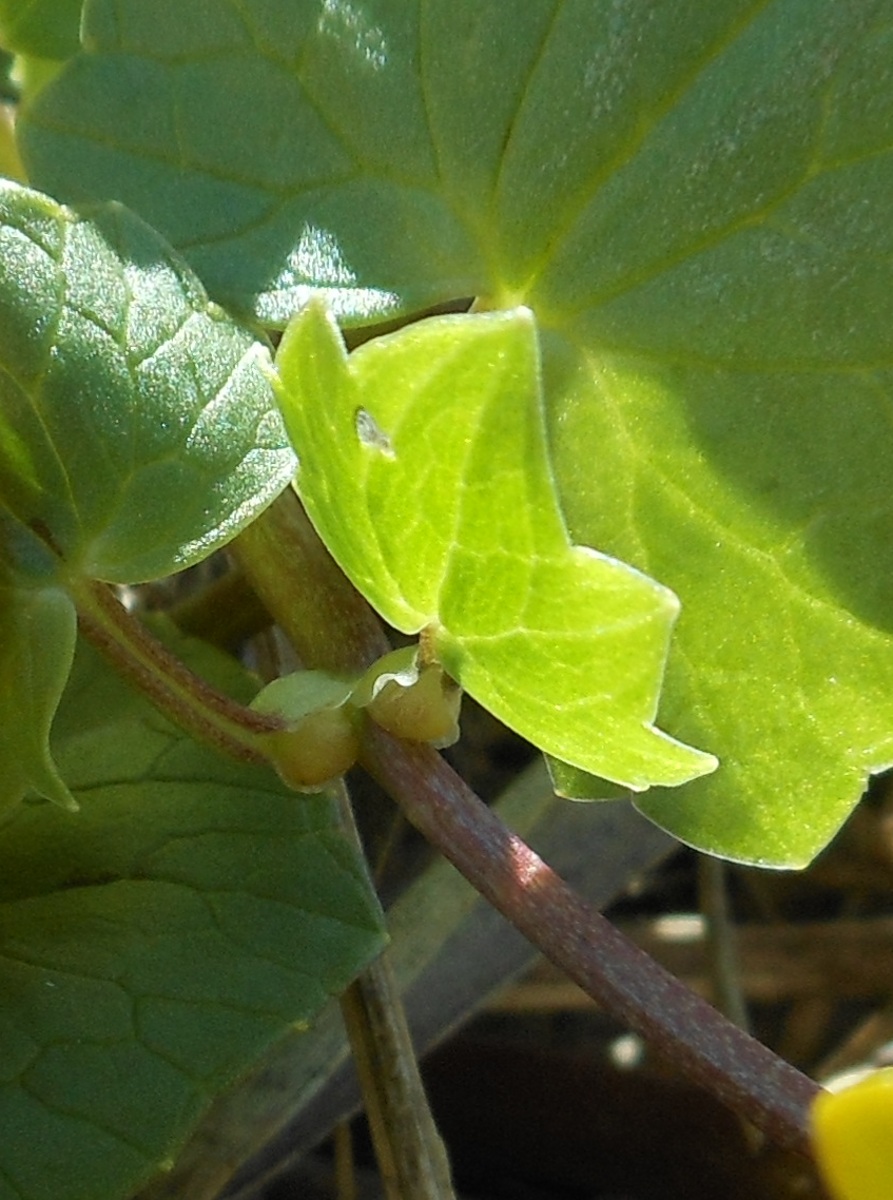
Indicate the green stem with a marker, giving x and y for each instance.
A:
(331, 627)
(226, 613)
(329, 624)
(411, 1156)
(721, 950)
(180, 694)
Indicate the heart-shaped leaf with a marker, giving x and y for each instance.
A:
(157, 942)
(423, 465)
(138, 428)
(692, 198)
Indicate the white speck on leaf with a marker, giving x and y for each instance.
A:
(371, 435)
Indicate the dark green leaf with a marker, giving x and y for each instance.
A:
(282, 147)
(138, 429)
(156, 943)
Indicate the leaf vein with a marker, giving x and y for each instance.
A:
(563, 229)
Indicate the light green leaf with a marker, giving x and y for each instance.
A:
(694, 201)
(45, 28)
(423, 465)
(154, 945)
(301, 694)
(36, 651)
(138, 429)
(751, 492)
(730, 352)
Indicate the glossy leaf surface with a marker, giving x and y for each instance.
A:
(423, 465)
(693, 200)
(153, 945)
(138, 429)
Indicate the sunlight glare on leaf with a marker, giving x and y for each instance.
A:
(175, 441)
(316, 266)
(346, 22)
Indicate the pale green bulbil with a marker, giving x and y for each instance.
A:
(321, 741)
(411, 698)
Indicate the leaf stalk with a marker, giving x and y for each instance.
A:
(188, 700)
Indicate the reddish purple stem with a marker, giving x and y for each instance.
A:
(703, 1044)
